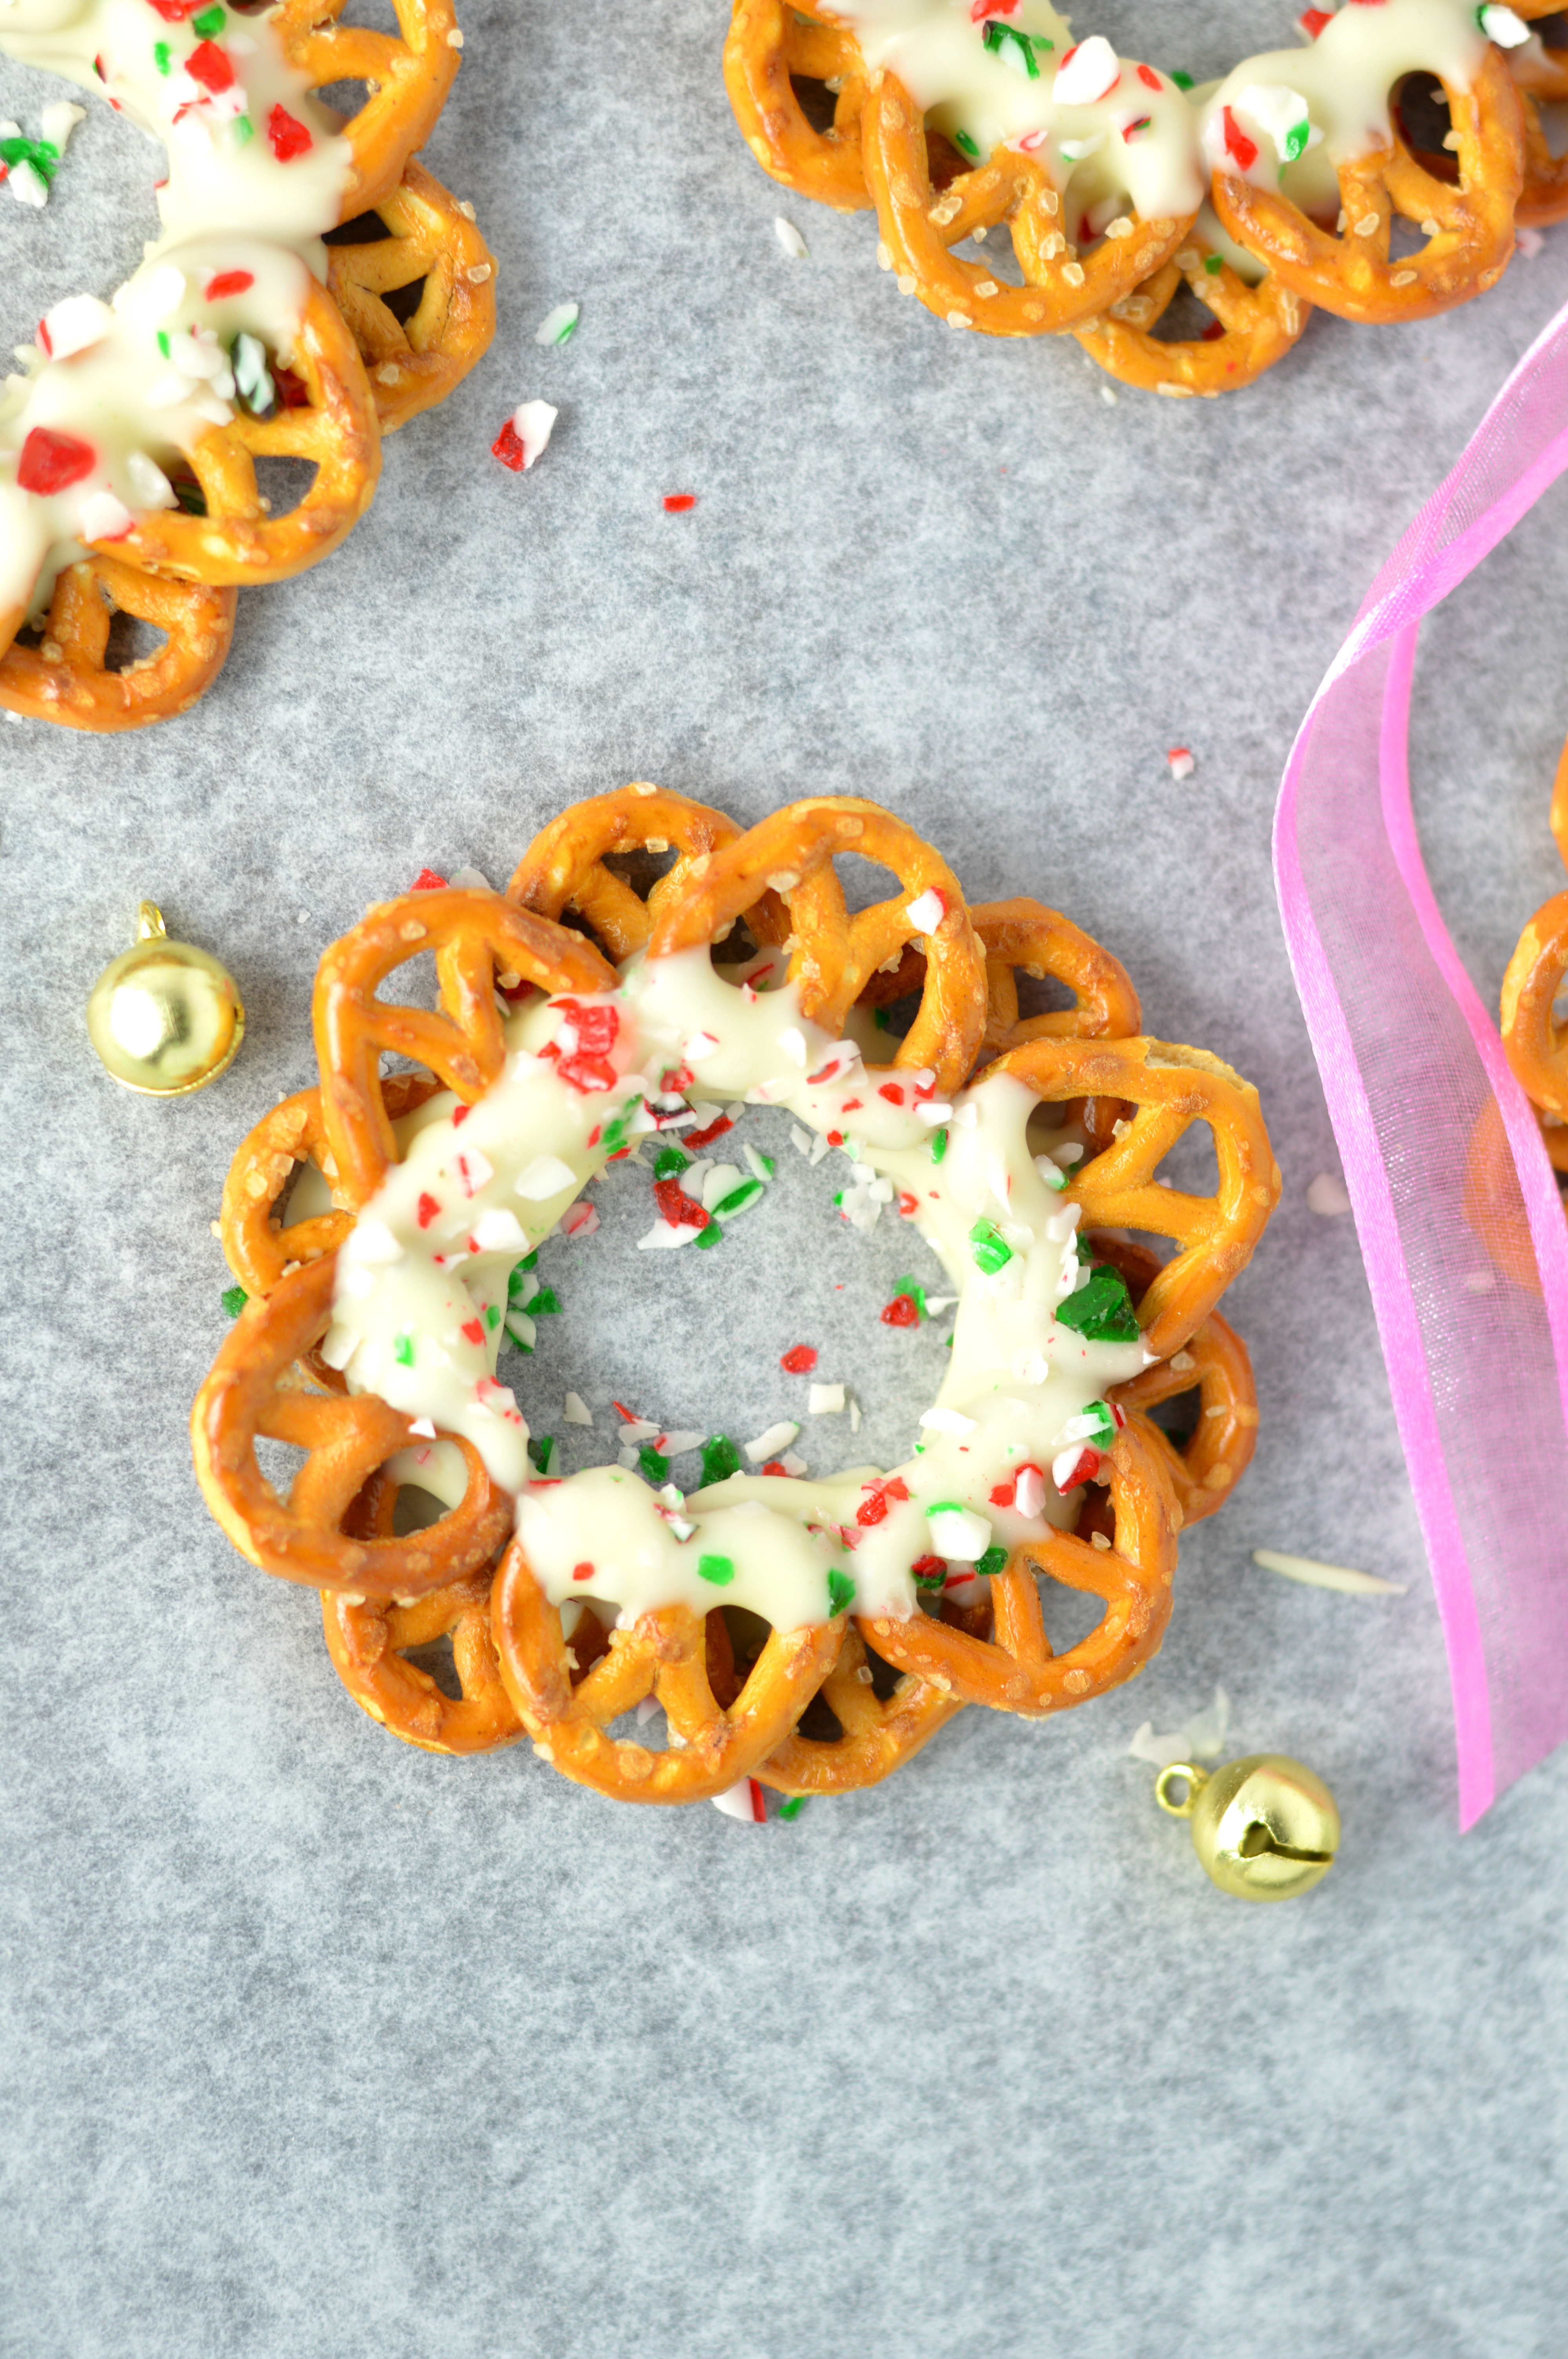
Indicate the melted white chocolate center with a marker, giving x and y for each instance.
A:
(422, 1287)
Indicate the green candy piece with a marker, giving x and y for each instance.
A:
(162, 56)
(493, 1316)
(653, 1464)
(245, 130)
(709, 1237)
(403, 1351)
(543, 1454)
(840, 1593)
(1102, 1311)
(738, 1199)
(962, 139)
(1182, 81)
(915, 1291)
(544, 1304)
(990, 1249)
(669, 1163)
(794, 1807)
(718, 1569)
(721, 1459)
(211, 22)
(994, 1561)
(234, 1300)
(939, 1144)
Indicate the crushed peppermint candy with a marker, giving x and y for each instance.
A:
(1181, 761)
(1502, 25)
(790, 238)
(769, 1444)
(576, 1410)
(578, 1220)
(1200, 1738)
(957, 1531)
(1342, 1577)
(557, 326)
(1088, 72)
(742, 1800)
(526, 435)
(926, 912)
(1281, 114)
(678, 503)
(826, 1400)
(799, 1360)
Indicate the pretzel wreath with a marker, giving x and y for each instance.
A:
(835, 1705)
(1111, 285)
(364, 363)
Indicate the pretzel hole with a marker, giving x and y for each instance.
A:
(132, 642)
(1423, 119)
(1185, 320)
(1041, 995)
(819, 1723)
(1405, 238)
(1070, 1614)
(415, 1510)
(816, 101)
(866, 883)
(1178, 1419)
(279, 1462)
(366, 229)
(413, 982)
(438, 1664)
(345, 99)
(306, 1197)
(284, 484)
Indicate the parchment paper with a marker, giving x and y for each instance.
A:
(318, 2045)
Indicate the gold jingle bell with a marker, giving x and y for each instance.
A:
(1265, 1828)
(165, 1017)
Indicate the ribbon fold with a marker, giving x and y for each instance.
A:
(1461, 1224)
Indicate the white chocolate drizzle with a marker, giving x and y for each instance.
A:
(421, 1296)
(257, 174)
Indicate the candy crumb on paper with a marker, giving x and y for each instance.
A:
(525, 436)
(790, 238)
(557, 326)
(1342, 1577)
(1181, 763)
(1328, 1195)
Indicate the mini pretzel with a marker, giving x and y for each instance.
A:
(369, 1643)
(255, 1389)
(408, 78)
(664, 1654)
(769, 42)
(236, 540)
(1536, 1043)
(1257, 326)
(1015, 1670)
(562, 874)
(1170, 1088)
(66, 678)
(258, 1249)
(877, 1737)
(1351, 273)
(414, 364)
(1215, 1364)
(918, 228)
(475, 936)
(1023, 936)
(837, 954)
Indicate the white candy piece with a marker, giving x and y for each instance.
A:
(946, 1421)
(75, 324)
(102, 517)
(826, 1400)
(790, 238)
(545, 1176)
(926, 912)
(768, 1445)
(60, 117)
(500, 1231)
(1085, 73)
(742, 1800)
(959, 1533)
(1279, 111)
(533, 422)
(371, 1240)
(555, 328)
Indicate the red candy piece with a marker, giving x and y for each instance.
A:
(174, 11)
(229, 282)
(582, 1571)
(428, 1207)
(508, 448)
(902, 1311)
(714, 1130)
(1149, 78)
(927, 1568)
(596, 1028)
(288, 138)
(1313, 20)
(586, 1074)
(1004, 1495)
(776, 1466)
(1237, 144)
(473, 1330)
(213, 68)
(681, 1212)
(428, 882)
(893, 1092)
(1084, 1471)
(677, 503)
(51, 462)
(799, 1361)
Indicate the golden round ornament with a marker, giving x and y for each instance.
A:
(1265, 1827)
(165, 1018)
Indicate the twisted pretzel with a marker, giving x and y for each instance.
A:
(258, 1248)
(236, 541)
(835, 954)
(1260, 326)
(1351, 274)
(408, 77)
(413, 363)
(255, 1389)
(663, 1655)
(876, 1737)
(1015, 1670)
(1540, 82)
(475, 936)
(563, 869)
(1206, 1470)
(1535, 1042)
(768, 43)
(369, 1645)
(917, 231)
(1023, 936)
(66, 678)
(1170, 1088)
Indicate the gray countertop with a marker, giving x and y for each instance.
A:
(315, 2044)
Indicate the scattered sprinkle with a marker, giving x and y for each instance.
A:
(1327, 1576)
(1180, 759)
(526, 435)
(742, 1800)
(234, 1300)
(677, 503)
(576, 1410)
(792, 1808)
(790, 238)
(799, 1360)
(557, 326)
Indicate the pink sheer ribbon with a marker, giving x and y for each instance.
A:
(1418, 1088)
